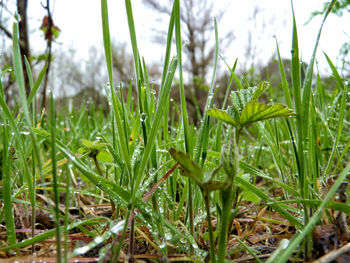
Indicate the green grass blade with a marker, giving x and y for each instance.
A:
(123, 140)
(309, 75)
(284, 79)
(202, 142)
(7, 189)
(168, 47)
(296, 83)
(163, 97)
(264, 197)
(29, 73)
(184, 115)
(341, 113)
(17, 63)
(219, 125)
(51, 233)
(235, 78)
(132, 34)
(55, 180)
(246, 167)
(36, 85)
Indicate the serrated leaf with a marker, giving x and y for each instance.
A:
(104, 156)
(261, 88)
(221, 115)
(241, 97)
(255, 111)
(188, 167)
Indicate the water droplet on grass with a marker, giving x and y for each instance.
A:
(152, 171)
(81, 250)
(143, 116)
(162, 244)
(168, 236)
(117, 227)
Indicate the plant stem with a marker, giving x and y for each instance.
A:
(211, 235)
(190, 210)
(227, 195)
(131, 242)
(99, 170)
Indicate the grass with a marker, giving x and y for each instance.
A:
(169, 184)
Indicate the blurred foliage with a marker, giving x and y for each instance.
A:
(339, 8)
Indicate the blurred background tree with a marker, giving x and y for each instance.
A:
(71, 76)
(6, 29)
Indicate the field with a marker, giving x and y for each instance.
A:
(261, 178)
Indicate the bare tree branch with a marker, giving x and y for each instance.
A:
(7, 33)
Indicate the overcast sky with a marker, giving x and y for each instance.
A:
(80, 24)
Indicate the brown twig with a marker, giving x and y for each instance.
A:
(48, 48)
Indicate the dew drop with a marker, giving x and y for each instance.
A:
(81, 250)
(98, 240)
(162, 245)
(284, 243)
(168, 236)
(152, 171)
(24, 132)
(117, 227)
(143, 116)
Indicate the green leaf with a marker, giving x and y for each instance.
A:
(255, 111)
(188, 167)
(261, 88)
(221, 115)
(82, 150)
(88, 144)
(249, 196)
(241, 97)
(98, 146)
(104, 156)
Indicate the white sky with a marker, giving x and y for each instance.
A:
(80, 24)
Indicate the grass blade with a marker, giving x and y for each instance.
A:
(284, 79)
(123, 140)
(7, 189)
(341, 112)
(55, 180)
(309, 75)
